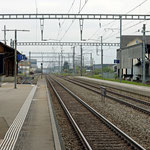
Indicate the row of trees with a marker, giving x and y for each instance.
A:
(66, 69)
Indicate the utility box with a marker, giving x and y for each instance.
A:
(103, 92)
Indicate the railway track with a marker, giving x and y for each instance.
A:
(140, 105)
(114, 90)
(94, 130)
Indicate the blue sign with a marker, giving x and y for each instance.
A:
(21, 57)
(116, 61)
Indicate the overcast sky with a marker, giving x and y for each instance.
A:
(55, 29)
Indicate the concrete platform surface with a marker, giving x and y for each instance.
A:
(11, 100)
(143, 90)
(37, 131)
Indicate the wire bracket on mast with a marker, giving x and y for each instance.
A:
(42, 28)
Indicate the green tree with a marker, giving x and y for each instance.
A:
(107, 69)
(66, 66)
(77, 70)
(97, 71)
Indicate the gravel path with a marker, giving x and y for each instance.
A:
(132, 122)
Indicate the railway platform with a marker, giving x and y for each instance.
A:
(38, 130)
(11, 100)
(142, 90)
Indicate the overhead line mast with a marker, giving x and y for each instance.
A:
(120, 17)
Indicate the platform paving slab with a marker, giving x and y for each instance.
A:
(11, 100)
(3, 127)
(37, 130)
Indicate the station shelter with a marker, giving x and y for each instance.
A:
(7, 60)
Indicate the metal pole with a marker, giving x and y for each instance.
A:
(73, 60)
(29, 62)
(15, 57)
(15, 62)
(102, 55)
(91, 64)
(143, 56)
(42, 28)
(5, 34)
(61, 60)
(81, 60)
(59, 63)
(120, 49)
(68, 59)
(81, 31)
(42, 67)
(41, 35)
(53, 66)
(83, 63)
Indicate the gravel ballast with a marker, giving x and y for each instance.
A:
(132, 122)
(70, 139)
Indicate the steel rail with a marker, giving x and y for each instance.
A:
(119, 132)
(74, 124)
(119, 89)
(113, 98)
(125, 96)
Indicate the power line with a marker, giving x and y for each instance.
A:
(36, 7)
(139, 5)
(135, 24)
(36, 11)
(71, 6)
(135, 8)
(80, 5)
(126, 29)
(61, 24)
(73, 20)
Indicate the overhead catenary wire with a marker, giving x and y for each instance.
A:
(127, 28)
(133, 25)
(36, 7)
(73, 20)
(137, 6)
(61, 24)
(134, 8)
(71, 6)
(80, 5)
(36, 11)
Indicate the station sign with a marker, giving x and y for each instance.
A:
(21, 57)
(116, 61)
